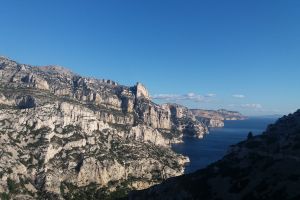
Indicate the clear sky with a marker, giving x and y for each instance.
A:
(234, 54)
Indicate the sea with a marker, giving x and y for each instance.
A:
(214, 145)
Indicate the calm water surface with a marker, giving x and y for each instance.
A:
(215, 144)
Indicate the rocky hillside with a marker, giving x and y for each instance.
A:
(262, 167)
(64, 136)
(216, 118)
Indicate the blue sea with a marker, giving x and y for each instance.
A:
(214, 145)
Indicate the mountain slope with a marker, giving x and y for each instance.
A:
(67, 136)
(263, 167)
(64, 136)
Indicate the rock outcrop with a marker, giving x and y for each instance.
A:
(141, 91)
(266, 166)
(63, 135)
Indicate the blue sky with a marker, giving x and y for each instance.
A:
(239, 55)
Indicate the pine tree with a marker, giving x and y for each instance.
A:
(250, 135)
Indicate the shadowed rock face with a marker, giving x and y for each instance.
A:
(23, 102)
(263, 167)
(63, 135)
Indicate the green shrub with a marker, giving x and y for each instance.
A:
(12, 186)
(4, 196)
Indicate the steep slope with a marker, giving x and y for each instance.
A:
(262, 167)
(67, 136)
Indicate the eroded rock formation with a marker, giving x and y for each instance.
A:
(67, 136)
(62, 134)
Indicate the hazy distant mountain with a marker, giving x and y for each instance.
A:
(221, 114)
(216, 118)
(64, 135)
(263, 167)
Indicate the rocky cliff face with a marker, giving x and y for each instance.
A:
(66, 136)
(262, 167)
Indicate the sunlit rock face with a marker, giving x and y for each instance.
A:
(261, 167)
(141, 91)
(64, 135)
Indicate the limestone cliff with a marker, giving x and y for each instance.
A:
(67, 136)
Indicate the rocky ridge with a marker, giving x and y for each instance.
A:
(64, 136)
(266, 166)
